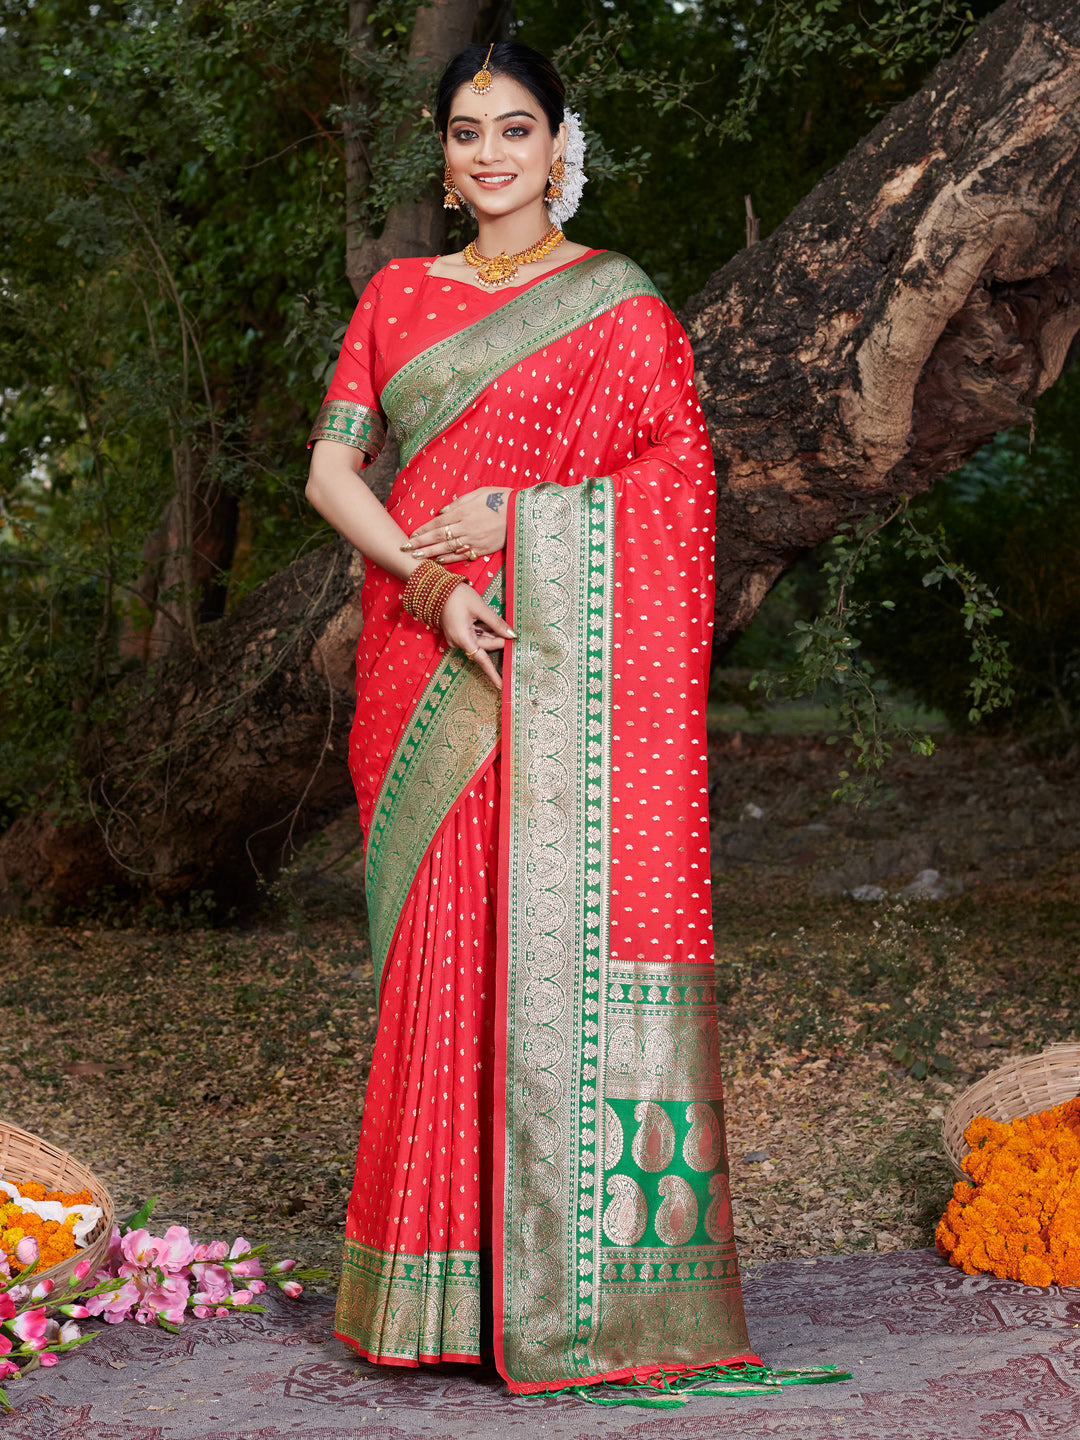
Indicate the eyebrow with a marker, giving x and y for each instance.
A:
(510, 114)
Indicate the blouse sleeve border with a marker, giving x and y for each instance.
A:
(350, 423)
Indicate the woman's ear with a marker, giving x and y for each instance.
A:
(561, 137)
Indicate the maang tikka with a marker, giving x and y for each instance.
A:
(480, 83)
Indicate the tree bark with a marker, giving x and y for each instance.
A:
(416, 227)
(916, 302)
(919, 299)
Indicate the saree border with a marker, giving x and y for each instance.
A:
(434, 388)
(555, 877)
(614, 1245)
(452, 732)
(350, 423)
(428, 1306)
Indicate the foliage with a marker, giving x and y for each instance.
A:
(172, 193)
(829, 661)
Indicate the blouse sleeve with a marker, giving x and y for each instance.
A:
(351, 413)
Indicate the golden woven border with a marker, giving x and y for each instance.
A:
(27, 1157)
(1020, 1087)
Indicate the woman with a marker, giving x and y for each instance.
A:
(542, 1144)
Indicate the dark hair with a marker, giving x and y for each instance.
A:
(514, 60)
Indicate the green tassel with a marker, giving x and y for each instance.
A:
(663, 1391)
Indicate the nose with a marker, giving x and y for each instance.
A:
(491, 148)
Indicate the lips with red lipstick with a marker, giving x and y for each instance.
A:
(495, 181)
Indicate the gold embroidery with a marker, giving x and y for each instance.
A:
(653, 1146)
(626, 1214)
(704, 1143)
(718, 1219)
(406, 1306)
(676, 1220)
(613, 1138)
(350, 424)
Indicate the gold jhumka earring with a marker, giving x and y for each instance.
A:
(555, 180)
(480, 83)
(451, 198)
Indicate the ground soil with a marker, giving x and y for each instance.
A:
(223, 1068)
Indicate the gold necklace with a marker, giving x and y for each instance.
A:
(495, 270)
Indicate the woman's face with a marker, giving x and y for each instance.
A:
(500, 148)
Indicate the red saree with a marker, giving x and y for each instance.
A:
(545, 1096)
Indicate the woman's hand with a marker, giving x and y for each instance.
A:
(475, 522)
(474, 627)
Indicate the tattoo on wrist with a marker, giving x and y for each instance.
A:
(495, 500)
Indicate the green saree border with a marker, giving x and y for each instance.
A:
(558, 770)
(452, 731)
(407, 1307)
(350, 423)
(435, 387)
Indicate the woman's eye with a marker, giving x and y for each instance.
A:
(464, 136)
(516, 132)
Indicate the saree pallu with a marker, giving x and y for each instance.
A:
(545, 1113)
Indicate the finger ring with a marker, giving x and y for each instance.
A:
(449, 534)
(470, 653)
(472, 553)
(459, 545)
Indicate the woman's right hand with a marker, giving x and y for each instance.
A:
(472, 626)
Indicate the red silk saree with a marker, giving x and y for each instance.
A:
(542, 1148)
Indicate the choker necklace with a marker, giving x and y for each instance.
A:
(493, 271)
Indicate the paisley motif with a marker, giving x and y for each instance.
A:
(653, 1146)
(626, 1214)
(718, 1215)
(613, 1138)
(676, 1220)
(702, 1147)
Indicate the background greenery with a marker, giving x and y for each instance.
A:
(172, 282)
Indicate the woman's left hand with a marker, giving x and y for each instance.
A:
(473, 523)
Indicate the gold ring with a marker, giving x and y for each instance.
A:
(459, 545)
(470, 653)
(449, 534)
(472, 553)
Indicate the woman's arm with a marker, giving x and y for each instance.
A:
(337, 491)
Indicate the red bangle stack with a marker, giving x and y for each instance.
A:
(427, 591)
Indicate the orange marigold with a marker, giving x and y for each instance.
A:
(1018, 1215)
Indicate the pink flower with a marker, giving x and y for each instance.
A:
(77, 1312)
(5, 1345)
(48, 1358)
(221, 1311)
(214, 1282)
(292, 1288)
(175, 1250)
(280, 1266)
(82, 1269)
(243, 1297)
(30, 1326)
(139, 1248)
(213, 1253)
(257, 1287)
(69, 1331)
(169, 1297)
(42, 1288)
(7, 1307)
(19, 1293)
(8, 1368)
(239, 1247)
(245, 1268)
(26, 1251)
(115, 1252)
(201, 1311)
(114, 1305)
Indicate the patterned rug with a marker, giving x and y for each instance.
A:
(935, 1355)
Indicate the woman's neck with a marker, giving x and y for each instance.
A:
(510, 234)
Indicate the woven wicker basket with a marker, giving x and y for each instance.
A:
(1019, 1088)
(26, 1157)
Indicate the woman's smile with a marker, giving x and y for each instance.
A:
(495, 182)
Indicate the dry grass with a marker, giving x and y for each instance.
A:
(224, 1069)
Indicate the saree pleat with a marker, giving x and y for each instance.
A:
(419, 1216)
(546, 1075)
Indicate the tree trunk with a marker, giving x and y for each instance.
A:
(417, 227)
(919, 299)
(916, 302)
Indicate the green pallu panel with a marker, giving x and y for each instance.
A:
(619, 1250)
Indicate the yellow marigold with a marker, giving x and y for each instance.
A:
(1018, 1217)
